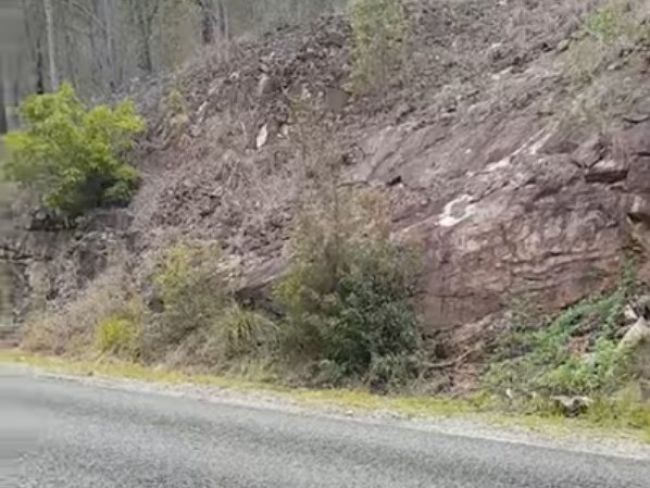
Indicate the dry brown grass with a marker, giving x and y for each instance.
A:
(72, 329)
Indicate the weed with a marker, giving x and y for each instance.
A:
(175, 103)
(625, 410)
(238, 334)
(609, 23)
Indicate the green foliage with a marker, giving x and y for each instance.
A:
(543, 360)
(379, 28)
(118, 336)
(71, 155)
(347, 298)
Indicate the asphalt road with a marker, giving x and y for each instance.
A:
(58, 433)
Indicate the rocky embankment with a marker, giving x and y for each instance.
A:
(483, 143)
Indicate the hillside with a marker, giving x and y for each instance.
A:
(511, 144)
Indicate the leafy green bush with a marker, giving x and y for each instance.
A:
(71, 155)
(379, 28)
(347, 298)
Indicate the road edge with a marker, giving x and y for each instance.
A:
(441, 416)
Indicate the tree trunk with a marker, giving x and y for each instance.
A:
(40, 70)
(98, 69)
(146, 61)
(223, 20)
(3, 108)
(207, 20)
(49, 25)
(108, 23)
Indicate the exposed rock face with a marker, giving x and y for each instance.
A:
(53, 265)
(507, 223)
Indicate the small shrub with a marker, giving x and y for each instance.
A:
(174, 103)
(192, 290)
(118, 336)
(73, 156)
(611, 22)
(200, 323)
(347, 298)
(379, 28)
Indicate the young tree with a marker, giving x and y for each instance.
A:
(72, 155)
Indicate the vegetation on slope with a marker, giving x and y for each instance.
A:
(576, 363)
(72, 156)
(343, 311)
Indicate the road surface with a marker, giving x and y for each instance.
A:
(62, 433)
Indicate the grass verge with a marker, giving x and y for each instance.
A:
(343, 400)
(357, 400)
